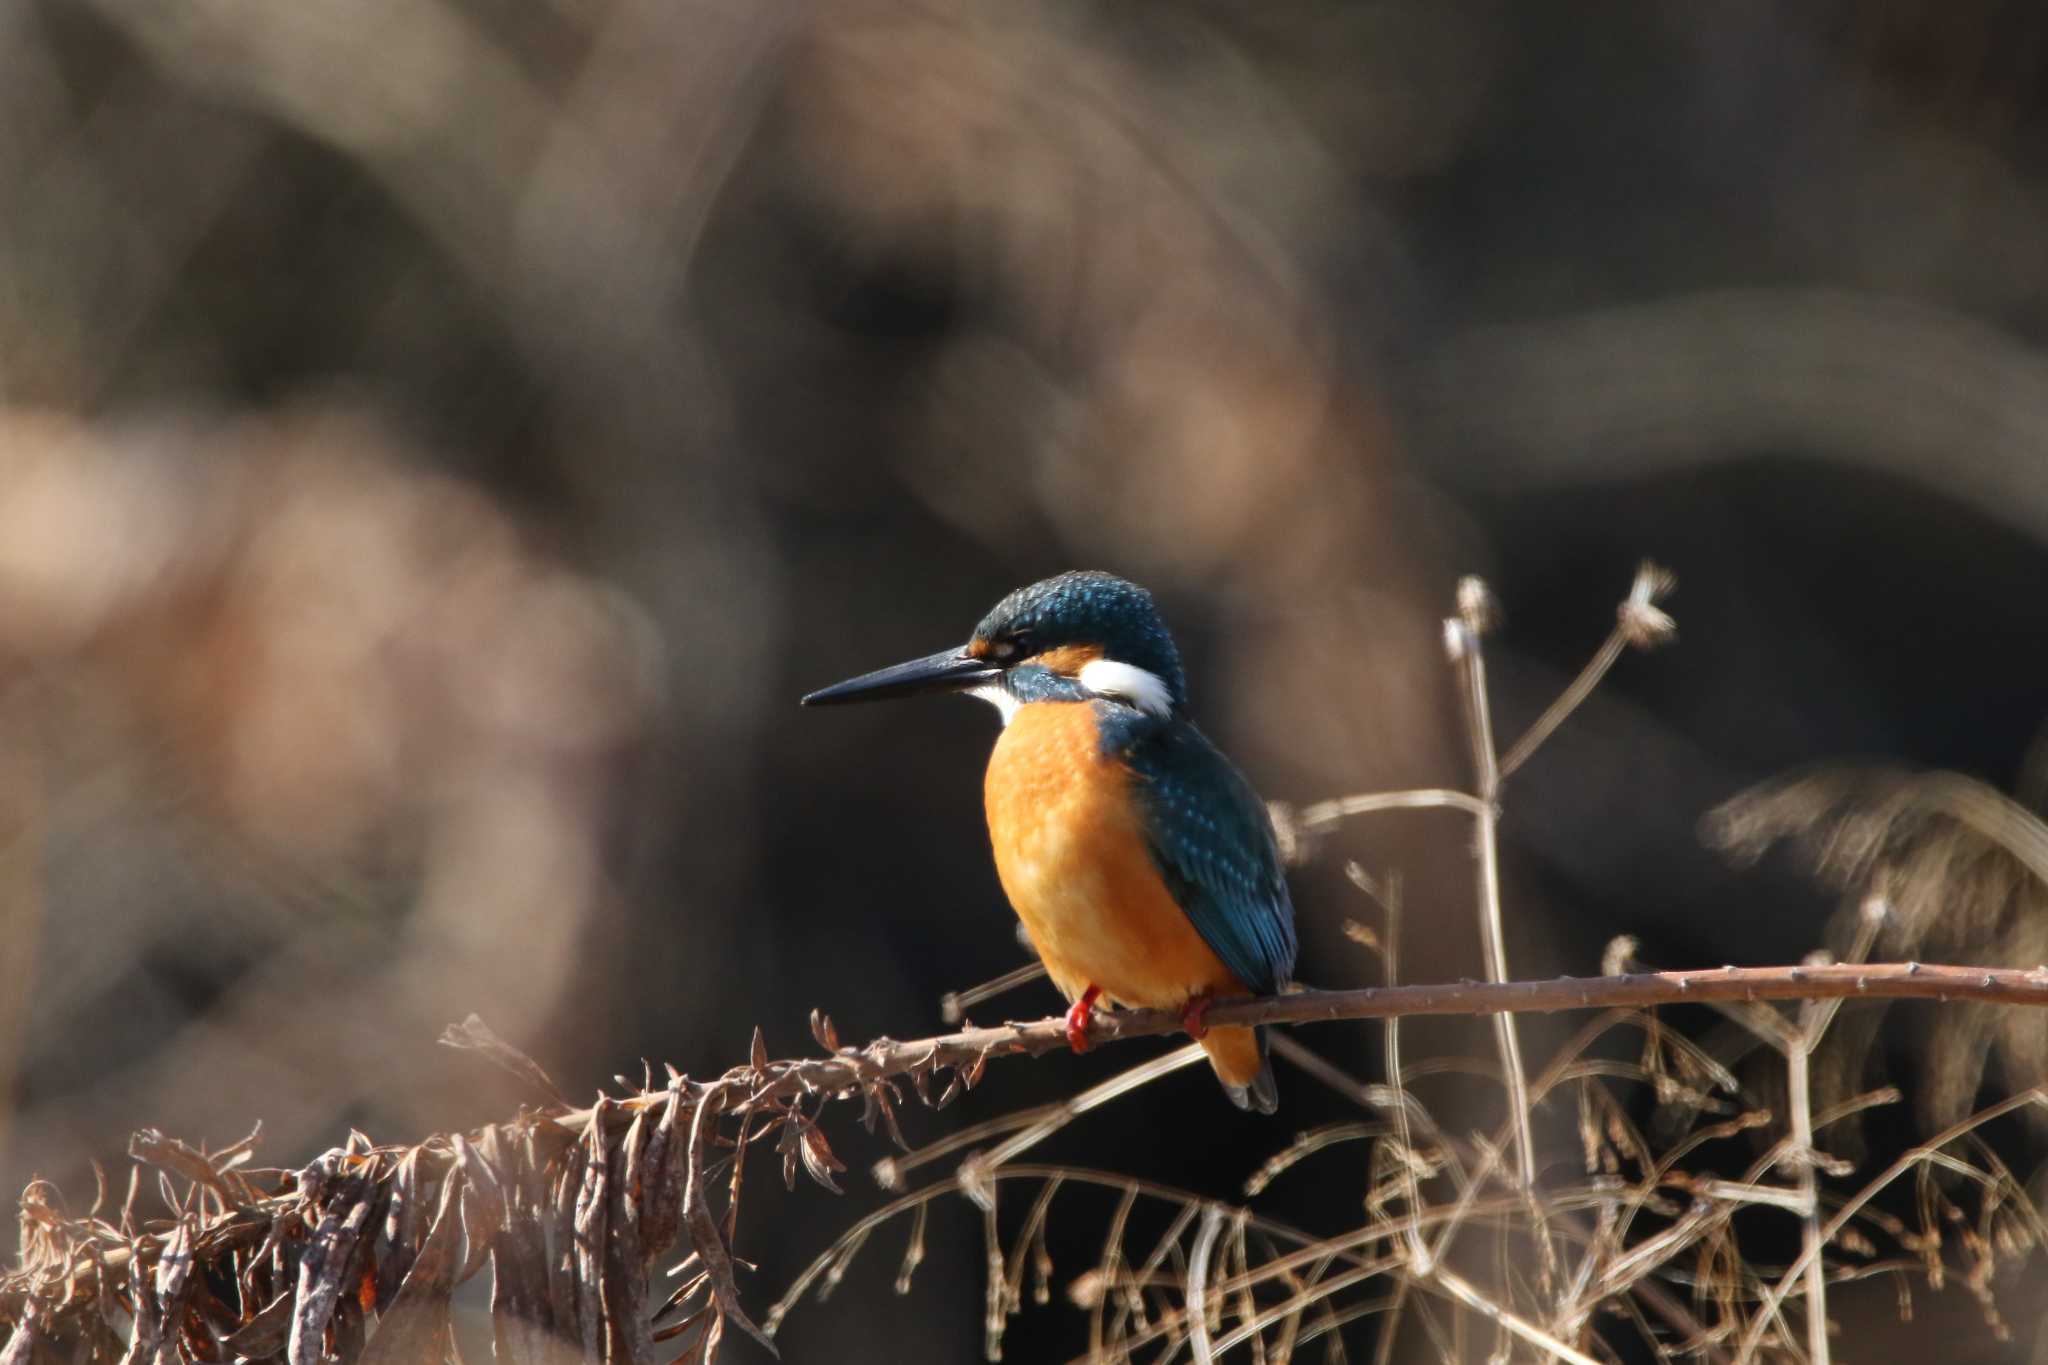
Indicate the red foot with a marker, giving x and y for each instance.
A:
(1192, 1016)
(1077, 1019)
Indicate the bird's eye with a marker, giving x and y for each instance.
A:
(1010, 647)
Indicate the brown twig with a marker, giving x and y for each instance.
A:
(886, 1057)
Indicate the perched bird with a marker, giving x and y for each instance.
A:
(1140, 860)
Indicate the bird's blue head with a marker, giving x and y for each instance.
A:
(1075, 635)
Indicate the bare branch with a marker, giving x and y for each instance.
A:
(885, 1057)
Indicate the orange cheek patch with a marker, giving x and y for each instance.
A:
(1068, 660)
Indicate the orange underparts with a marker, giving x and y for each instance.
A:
(1071, 853)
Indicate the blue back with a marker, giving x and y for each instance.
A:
(1212, 839)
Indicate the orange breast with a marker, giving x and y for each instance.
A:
(1073, 861)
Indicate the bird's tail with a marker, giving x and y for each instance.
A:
(1240, 1058)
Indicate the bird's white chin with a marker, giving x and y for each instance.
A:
(998, 696)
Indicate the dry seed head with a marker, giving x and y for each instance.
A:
(1477, 607)
(1456, 639)
(975, 1182)
(1643, 623)
(1292, 840)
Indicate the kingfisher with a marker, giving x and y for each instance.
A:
(1140, 860)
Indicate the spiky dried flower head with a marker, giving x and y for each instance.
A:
(1477, 606)
(1643, 623)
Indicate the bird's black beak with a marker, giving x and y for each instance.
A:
(951, 670)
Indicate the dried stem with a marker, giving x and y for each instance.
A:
(1567, 702)
(1325, 813)
(1903, 980)
(884, 1057)
(1464, 1292)
(1418, 1253)
(1928, 1151)
(1801, 1101)
(953, 1005)
(1638, 621)
(1463, 635)
(1198, 1284)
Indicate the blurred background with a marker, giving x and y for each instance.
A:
(439, 440)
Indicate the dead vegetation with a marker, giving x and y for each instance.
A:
(609, 1231)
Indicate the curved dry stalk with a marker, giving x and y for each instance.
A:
(850, 1242)
(1638, 621)
(1325, 813)
(1198, 1305)
(1920, 1155)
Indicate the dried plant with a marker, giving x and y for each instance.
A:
(1468, 1242)
(1957, 872)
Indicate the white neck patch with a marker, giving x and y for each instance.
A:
(1140, 687)
(1000, 697)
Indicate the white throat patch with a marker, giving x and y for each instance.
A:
(1128, 683)
(1000, 697)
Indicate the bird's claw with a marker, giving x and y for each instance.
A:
(1078, 1018)
(1193, 1016)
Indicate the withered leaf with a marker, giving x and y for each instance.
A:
(818, 1158)
(416, 1327)
(881, 1098)
(404, 1228)
(628, 1336)
(160, 1301)
(661, 1175)
(682, 1325)
(822, 1030)
(322, 1267)
(560, 1212)
(473, 1035)
(703, 1226)
(168, 1154)
(589, 1230)
(483, 1206)
(522, 1317)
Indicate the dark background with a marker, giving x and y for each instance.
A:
(439, 439)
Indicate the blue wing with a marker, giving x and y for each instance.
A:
(1213, 841)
